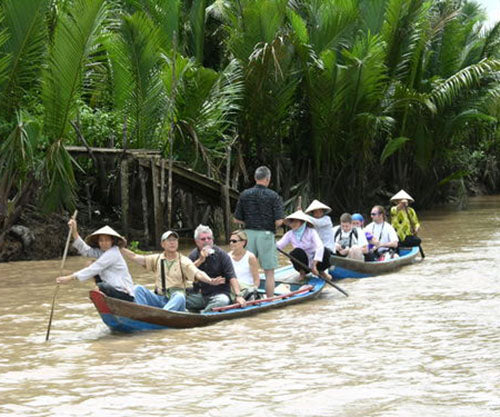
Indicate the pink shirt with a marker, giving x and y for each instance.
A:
(310, 243)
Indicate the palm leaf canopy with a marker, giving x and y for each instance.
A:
(25, 33)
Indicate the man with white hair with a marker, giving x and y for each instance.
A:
(217, 264)
(174, 273)
(261, 211)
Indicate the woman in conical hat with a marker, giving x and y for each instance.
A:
(322, 222)
(308, 247)
(405, 220)
(103, 244)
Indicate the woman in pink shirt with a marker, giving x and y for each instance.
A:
(308, 247)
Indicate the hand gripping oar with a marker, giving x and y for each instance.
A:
(307, 269)
(60, 272)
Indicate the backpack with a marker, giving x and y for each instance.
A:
(353, 232)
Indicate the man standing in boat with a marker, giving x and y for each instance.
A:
(261, 211)
(217, 264)
(173, 274)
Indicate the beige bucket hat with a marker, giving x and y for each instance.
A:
(402, 195)
(92, 239)
(299, 215)
(318, 205)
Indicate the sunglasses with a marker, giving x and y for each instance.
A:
(203, 239)
(374, 214)
(235, 241)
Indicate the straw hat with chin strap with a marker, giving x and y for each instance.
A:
(318, 205)
(93, 239)
(402, 195)
(299, 215)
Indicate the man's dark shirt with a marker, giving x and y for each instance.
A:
(215, 265)
(259, 207)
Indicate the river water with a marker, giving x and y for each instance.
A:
(424, 341)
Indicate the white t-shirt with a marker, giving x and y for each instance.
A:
(359, 241)
(384, 232)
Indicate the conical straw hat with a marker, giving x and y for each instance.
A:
(299, 215)
(92, 239)
(318, 205)
(402, 195)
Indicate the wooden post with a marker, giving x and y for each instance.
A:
(225, 193)
(162, 181)
(169, 186)
(157, 206)
(124, 194)
(143, 178)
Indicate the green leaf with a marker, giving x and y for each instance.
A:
(392, 146)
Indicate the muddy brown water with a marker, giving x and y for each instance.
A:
(424, 341)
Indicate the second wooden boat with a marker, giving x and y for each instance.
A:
(351, 268)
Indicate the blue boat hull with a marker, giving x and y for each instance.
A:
(349, 268)
(124, 316)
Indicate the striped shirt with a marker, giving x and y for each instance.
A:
(259, 207)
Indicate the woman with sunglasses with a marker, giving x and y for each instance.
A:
(245, 263)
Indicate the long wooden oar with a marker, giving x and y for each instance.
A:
(307, 269)
(65, 253)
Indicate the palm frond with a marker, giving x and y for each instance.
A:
(26, 45)
(197, 26)
(446, 91)
(136, 61)
(74, 42)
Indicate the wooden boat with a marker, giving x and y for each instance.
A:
(351, 268)
(126, 316)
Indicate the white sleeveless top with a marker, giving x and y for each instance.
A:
(242, 269)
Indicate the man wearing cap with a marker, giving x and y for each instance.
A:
(260, 210)
(173, 274)
(216, 264)
(405, 220)
(110, 266)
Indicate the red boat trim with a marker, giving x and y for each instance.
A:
(305, 289)
(98, 299)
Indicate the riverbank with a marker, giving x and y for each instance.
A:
(39, 236)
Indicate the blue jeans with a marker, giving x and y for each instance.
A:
(205, 303)
(176, 302)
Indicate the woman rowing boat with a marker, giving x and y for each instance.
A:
(103, 244)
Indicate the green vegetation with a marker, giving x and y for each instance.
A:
(342, 98)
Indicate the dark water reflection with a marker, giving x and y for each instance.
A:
(421, 342)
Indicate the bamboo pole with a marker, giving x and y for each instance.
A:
(65, 253)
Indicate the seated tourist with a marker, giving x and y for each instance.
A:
(322, 222)
(359, 221)
(405, 220)
(308, 247)
(216, 264)
(385, 238)
(349, 241)
(245, 263)
(115, 280)
(174, 273)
